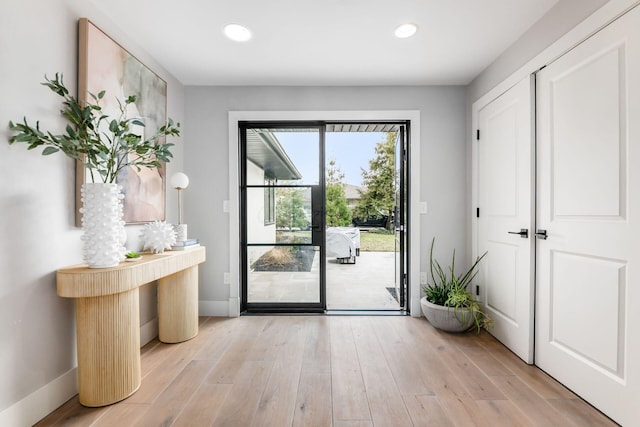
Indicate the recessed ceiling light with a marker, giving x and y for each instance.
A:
(237, 32)
(406, 30)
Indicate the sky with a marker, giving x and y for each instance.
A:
(350, 150)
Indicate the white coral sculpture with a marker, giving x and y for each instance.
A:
(158, 236)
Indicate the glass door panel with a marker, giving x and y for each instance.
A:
(282, 252)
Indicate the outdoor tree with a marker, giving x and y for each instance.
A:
(378, 194)
(337, 211)
(289, 209)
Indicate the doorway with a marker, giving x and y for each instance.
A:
(365, 165)
(306, 235)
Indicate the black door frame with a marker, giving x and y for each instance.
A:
(319, 239)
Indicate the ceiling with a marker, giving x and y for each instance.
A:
(325, 42)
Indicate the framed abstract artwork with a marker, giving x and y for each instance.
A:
(105, 65)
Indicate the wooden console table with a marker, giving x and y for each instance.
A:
(108, 317)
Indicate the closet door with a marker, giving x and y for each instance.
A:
(505, 220)
(588, 267)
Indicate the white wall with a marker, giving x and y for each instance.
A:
(443, 175)
(564, 16)
(38, 236)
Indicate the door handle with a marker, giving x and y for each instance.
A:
(523, 233)
(541, 234)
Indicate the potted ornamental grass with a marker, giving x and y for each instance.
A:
(105, 145)
(448, 303)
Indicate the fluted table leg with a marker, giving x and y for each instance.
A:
(108, 334)
(178, 306)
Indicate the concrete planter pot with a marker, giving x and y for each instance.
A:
(444, 318)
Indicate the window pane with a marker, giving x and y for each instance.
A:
(287, 156)
(292, 215)
(283, 274)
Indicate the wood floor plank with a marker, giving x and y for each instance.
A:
(160, 354)
(452, 395)
(241, 404)
(401, 360)
(237, 351)
(340, 371)
(480, 357)
(537, 409)
(267, 345)
(426, 411)
(580, 413)
(503, 413)
(158, 379)
(317, 350)
(313, 403)
(167, 367)
(349, 397)
(353, 423)
(173, 399)
(461, 409)
(474, 380)
(542, 383)
(72, 413)
(223, 330)
(277, 404)
(54, 417)
(205, 405)
(386, 404)
(132, 412)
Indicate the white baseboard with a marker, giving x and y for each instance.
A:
(42, 402)
(148, 331)
(416, 308)
(234, 307)
(213, 308)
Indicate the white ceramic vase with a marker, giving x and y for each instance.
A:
(103, 235)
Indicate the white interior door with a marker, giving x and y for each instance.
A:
(588, 269)
(505, 222)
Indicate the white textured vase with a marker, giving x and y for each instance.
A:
(103, 235)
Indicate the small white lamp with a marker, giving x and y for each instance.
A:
(180, 181)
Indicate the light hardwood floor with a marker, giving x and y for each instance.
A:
(340, 371)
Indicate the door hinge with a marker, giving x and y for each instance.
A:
(478, 134)
(478, 290)
(477, 212)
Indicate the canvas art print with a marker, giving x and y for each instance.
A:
(105, 65)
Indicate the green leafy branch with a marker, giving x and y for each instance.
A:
(104, 145)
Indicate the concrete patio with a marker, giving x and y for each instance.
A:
(359, 286)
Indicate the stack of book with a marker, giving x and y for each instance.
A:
(183, 245)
